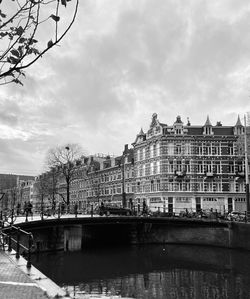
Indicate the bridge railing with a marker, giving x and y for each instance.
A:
(21, 241)
(50, 211)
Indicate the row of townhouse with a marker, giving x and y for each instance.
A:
(16, 191)
(104, 179)
(170, 168)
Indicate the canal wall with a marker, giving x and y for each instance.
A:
(77, 234)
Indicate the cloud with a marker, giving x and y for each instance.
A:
(124, 60)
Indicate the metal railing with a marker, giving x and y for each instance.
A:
(49, 212)
(14, 237)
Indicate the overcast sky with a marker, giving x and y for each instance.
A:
(122, 61)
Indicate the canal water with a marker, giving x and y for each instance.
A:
(150, 271)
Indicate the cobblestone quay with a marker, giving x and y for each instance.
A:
(19, 282)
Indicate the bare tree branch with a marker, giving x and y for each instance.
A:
(18, 34)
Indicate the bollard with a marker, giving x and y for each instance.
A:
(29, 251)
(59, 211)
(92, 211)
(9, 243)
(18, 244)
(37, 246)
(26, 212)
(12, 216)
(75, 208)
(42, 212)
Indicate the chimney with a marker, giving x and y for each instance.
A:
(125, 149)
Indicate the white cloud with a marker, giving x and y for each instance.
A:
(122, 61)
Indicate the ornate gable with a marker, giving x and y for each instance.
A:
(155, 127)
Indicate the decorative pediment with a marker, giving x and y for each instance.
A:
(140, 137)
(155, 127)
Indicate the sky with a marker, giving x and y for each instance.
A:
(122, 61)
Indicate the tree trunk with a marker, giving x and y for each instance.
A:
(68, 195)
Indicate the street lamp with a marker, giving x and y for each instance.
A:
(122, 167)
(246, 167)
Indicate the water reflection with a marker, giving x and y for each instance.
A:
(152, 271)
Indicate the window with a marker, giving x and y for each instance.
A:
(158, 183)
(200, 186)
(170, 149)
(151, 149)
(152, 168)
(200, 152)
(230, 149)
(200, 167)
(178, 149)
(144, 153)
(178, 165)
(232, 186)
(171, 166)
(140, 170)
(240, 167)
(187, 166)
(155, 168)
(231, 167)
(143, 170)
(187, 149)
(171, 185)
(240, 187)
(152, 186)
(208, 166)
(209, 186)
(157, 149)
(217, 167)
(158, 167)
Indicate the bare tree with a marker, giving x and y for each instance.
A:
(64, 159)
(21, 23)
(41, 188)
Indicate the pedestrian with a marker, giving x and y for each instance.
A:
(18, 209)
(25, 208)
(75, 209)
(144, 207)
(62, 208)
(30, 206)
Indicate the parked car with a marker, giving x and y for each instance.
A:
(236, 216)
(114, 210)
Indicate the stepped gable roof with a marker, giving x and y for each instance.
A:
(238, 123)
(208, 122)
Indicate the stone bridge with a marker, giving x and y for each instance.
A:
(71, 233)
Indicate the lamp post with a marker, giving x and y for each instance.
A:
(122, 167)
(246, 167)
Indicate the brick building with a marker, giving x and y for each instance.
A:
(111, 179)
(180, 167)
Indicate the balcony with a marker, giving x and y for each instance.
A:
(179, 174)
(240, 175)
(209, 174)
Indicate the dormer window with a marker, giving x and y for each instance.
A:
(178, 126)
(238, 128)
(207, 129)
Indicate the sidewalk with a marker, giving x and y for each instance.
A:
(18, 282)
